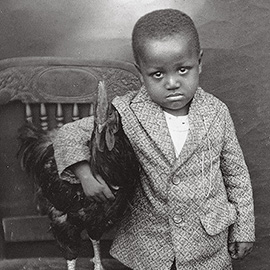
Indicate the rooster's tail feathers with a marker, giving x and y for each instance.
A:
(34, 148)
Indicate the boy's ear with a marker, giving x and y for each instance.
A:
(200, 61)
(138, 68)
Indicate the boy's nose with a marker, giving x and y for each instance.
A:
(172, 83)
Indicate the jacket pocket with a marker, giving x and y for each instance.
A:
(217, 217)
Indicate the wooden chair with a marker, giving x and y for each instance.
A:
(49, 92)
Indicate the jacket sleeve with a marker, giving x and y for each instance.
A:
(238, 185)
(71, 143)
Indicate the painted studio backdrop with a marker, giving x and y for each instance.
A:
(235, 36)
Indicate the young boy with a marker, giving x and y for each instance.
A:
(195, 193)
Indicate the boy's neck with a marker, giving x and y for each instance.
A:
(176, 112)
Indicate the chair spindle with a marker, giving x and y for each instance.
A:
(43, 117)
(28, 113)
(59, 115)
(75, 112)
(91, 109)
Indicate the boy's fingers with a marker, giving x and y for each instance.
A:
(232, 247)
(100, 180)
(98, 199)
(232, 250)
(95, 197)
(241, 253)
(115, 188)
(244, 249)
(102, 198)
(107, 193)
(239, 250)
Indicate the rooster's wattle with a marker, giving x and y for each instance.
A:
(68, 208)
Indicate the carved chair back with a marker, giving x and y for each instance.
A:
(47, 80)
(53, 91)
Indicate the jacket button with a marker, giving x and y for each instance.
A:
(176, 180)
(177, 219)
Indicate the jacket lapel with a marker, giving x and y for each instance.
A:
(201, 116)
(152, 120)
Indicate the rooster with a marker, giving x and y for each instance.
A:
(68, 208)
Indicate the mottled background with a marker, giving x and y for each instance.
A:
(235, 36)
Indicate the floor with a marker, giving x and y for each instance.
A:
(259, 259)
(55, 264)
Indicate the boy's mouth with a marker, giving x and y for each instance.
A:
(175, 96)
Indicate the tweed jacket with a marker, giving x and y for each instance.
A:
(188, 207)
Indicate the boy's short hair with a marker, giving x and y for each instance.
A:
(160, 24)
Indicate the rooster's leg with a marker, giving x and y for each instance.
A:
(97, 255)
(71, 264)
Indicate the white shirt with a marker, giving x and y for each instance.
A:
(178, 127)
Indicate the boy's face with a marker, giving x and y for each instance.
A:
(170, 71)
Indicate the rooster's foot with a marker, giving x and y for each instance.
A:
(97, 264)
(71, 264)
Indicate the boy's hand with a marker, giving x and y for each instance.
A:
(239, 250)
(94, 188)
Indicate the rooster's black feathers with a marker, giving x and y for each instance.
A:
(65, 203)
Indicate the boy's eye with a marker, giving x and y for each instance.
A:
(157, 75)
(183, 70)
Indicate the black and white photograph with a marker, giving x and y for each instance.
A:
(134, 135)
